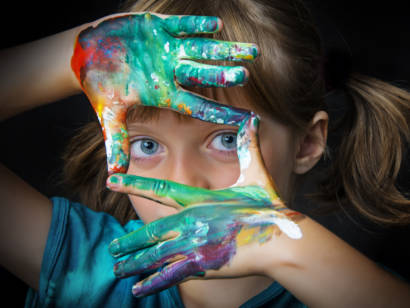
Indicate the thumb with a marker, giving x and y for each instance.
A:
(253, 170)
(112, 119)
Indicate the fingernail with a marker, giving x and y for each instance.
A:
(137, 290)
(114, 248)
(113, 179)
(113, 182)
(119, 270)
(255, 50)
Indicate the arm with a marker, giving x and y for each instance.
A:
(241, 231)
(37, 73)
(32, 74)
(317, 267)
(25, 216)
(324, 271)
(46, 70)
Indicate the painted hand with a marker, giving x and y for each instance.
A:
(211, 233)
(132, 59)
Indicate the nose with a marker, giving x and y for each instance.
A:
(189, 168)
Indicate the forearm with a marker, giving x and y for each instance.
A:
(324, 271)
(37, 73)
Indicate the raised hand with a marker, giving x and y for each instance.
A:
(209, 235)
(133, 59)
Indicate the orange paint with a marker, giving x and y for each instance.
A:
(185, 109)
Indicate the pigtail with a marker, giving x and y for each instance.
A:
(368, 160)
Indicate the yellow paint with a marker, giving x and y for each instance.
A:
(246, 235)
(148, 16)
(245, 57)
(100, 106)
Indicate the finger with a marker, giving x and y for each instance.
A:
(145, 236)
(190, 73)
(112, 119)
(167, 277)
(200, 107)
(181, 25)
(252, 167)
(172, 193)
(210, 49)
(152, 258)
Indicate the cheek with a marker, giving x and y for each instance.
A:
(147, 210)
(277, 147)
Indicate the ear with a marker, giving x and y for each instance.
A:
(312, 144)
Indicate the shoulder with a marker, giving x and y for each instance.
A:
(77, 266)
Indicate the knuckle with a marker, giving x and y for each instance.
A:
(160, 188)
(150, 230)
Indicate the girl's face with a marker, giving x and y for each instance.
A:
(201, 154)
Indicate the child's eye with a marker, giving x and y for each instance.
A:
(224, 142)
(144, 148)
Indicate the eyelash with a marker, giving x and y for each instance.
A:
(135, 142)
(229, 152)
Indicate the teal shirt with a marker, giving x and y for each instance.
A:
(77, 268)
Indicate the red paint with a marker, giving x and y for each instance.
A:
(292, 214)
(78, 59)
(97, 55)
(195, 80)
(221, 78)
(117, 169)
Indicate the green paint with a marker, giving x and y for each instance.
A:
(192, 73)
(131, 60)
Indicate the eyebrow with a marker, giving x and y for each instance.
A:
(144, 114)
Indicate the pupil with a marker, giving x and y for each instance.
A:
(229, 141)
(149, 146)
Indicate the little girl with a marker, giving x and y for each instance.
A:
(214, 220)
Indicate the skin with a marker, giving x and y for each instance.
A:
(319, 269)
(224, 220)
(118, 68)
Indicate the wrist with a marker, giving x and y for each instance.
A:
(283, 252)
(72, 36)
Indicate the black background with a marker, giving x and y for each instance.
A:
(375, 33)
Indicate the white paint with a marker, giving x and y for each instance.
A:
(166, 47)
(181, 53)
(240, 180)
(154, 77)
(244, 158)
(288, 227)
(108, 114)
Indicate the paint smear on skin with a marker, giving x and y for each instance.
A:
(213, 246)
(108, 61)
(191, 73)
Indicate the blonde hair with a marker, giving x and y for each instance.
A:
(287, 82)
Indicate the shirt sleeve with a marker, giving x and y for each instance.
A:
(77, 267)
